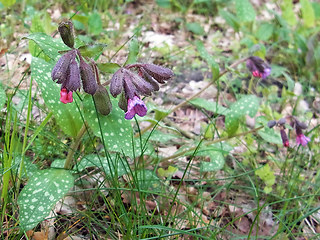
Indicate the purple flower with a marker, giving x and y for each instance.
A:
(258, 67)
(66, 96)
(302, 139)
(135, 106)
(284, 138)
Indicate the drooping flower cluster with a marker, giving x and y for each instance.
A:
(258, 67)
(68, 71)
(299, 126)
(131, 85)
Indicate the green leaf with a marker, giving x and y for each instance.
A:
(159, 136)
(3, 97)
(49, 45)
(112, 166)
(38, 197)
(108, 67)
(195, 27)
(307, 13)
(164, 3)
(147, 180)
(8, 3)
(209, 106)
(230, 19)
(288, 13)
(208, 58)
(216, 163)
(116, 130)
(270, 135)
(167, 173)
(290, 81)
(267, 176)
(245, 11)
(247, 105)
(133, 51)
(92, 51)
(265, 31)
(95, 23)
(67, 115)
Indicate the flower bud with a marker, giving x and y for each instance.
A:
(282, 121)
(141, 85)
(129, 89)
(88, 77)
(271, 123)
(60, 70)
(301, 125)
(102, 100)
(157, 72)
(284, 138)
(150, 79)
(123, 104)
(72, 82)
(66, 33)
(116, 84)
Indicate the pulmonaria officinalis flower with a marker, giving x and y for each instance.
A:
(284, 138)
(66, 96)
(258, 67)
(132, 84)
(301, 138)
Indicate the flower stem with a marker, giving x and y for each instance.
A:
(210, 142)
(74, 146)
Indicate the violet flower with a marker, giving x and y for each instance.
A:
(258, 67)
(135, 106)
(301, 138)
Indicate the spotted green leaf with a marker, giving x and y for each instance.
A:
(49, 45)
(216, 163)
(208, 58)
(41, 193)
(245, 11)
(67, 115)
(270, 135)
(115, 130)
(247, 105)
(209, 106)
(147, 179)
(113, 165)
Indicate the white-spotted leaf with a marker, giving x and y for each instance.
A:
(114, 165)
(245, 11)
(49, 45)
(216, 162)
(41, 193)
(115, 129)
(209, 106)
(67, 115)
(208, 58)
(247, 105)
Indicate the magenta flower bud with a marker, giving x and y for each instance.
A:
(284, 138)
(88, 78)
(157, 72)
(258, 67)
(65, 96)
(135, 106)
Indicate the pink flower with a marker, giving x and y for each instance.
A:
(135, 106)
(258, 67)
(302, 139)
(65, 96)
